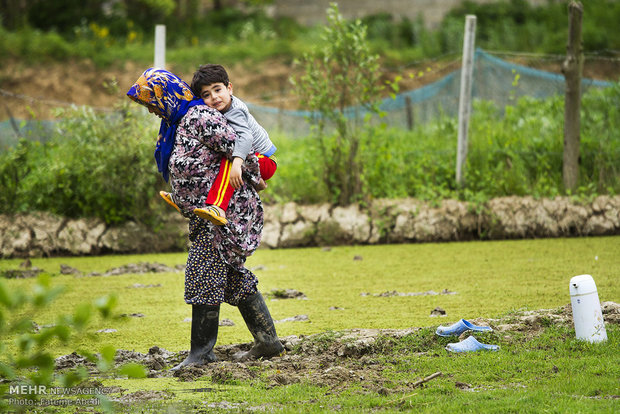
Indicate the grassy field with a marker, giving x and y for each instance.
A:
(543, 371)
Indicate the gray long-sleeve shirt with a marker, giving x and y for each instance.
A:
(251, 136)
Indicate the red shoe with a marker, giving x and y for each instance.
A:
(213, 214)
(168, 199)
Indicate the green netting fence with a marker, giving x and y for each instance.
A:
(495, 80)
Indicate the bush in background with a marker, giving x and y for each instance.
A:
(34, 31)
(101, 165)
(338, 74)
(516, 25)
(94, 165)
(517, 151)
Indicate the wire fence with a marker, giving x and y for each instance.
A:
(495, 79)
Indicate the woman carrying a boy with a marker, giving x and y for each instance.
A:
(191, 142)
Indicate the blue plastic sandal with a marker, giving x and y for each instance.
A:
(460, 327)
(470, 344)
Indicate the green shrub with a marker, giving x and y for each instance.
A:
(600, 139)
(518, 25)
(517, 151)
(338, 74)
(102, 166)
(229, 35)
(299, 175)
(95, 165)
(15, 165)
(25, 353)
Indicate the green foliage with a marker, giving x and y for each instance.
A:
(339, 74)
(43, 31)
(102, 165)
(32, 45)
(125, 32)
(517, 151)
(299, 175)
(93, 166)
(520, 153)
(518, 25)
(600, 140)
(29, 359)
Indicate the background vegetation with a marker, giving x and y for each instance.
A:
(94, 166)
(40, 30)
(98, 165)
(102, 165)
(339, 74)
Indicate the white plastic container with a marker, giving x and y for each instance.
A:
(587, 315)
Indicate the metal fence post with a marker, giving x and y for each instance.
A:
(160, 46)
(467, 70)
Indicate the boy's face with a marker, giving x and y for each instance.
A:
(217, 95)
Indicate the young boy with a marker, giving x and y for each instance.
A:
(211, 84)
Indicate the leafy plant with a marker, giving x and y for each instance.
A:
(38, 31)
(29, 361)
(338, 76)
(515, 151)
(95, 165)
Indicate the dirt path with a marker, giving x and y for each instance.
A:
(33, 91)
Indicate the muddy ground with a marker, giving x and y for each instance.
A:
(335, 360)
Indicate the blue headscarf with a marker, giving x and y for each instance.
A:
(165, 91)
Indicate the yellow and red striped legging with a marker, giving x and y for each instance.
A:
(221, 191)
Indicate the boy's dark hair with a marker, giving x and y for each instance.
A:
(207, 75)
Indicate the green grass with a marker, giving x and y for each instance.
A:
(490, 278)
(551, 372)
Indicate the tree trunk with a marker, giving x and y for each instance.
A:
(572, 69)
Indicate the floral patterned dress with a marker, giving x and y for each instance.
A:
(215, 270)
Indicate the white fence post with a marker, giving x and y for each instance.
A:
(160, 46)
(467, 71)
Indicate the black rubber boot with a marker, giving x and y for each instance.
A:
(257, 318)
(205, 320)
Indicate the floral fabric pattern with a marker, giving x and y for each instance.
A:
(208, 280)
(202, 138)
(163, 90)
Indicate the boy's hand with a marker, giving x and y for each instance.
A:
(235, 173)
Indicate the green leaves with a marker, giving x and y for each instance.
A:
(340, 84)
(30, 361)
(6, 299)
(43, 292)
(133, 370)
(95, 165)
(106, 361)
(105, 304)
(515, 152)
